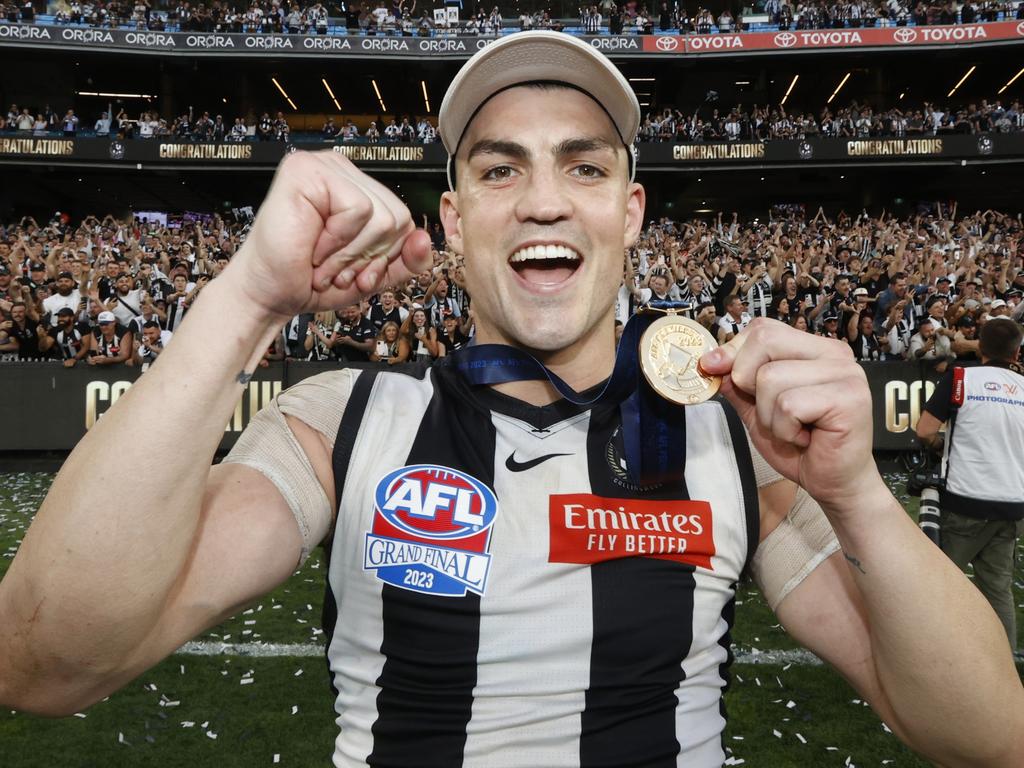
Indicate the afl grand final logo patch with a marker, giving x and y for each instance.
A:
(431, 531)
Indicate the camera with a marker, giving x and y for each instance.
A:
(927, 484)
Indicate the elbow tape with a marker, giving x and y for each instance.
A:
(269, 446)
(793, 550)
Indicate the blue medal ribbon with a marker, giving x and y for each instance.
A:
(653, 428)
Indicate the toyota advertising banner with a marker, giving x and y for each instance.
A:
(836, 39)
(80, 38)
(50, 408)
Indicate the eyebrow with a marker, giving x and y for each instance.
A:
(572, 146)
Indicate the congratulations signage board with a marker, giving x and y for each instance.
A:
(81, 38)
(49, 408)
(168, 152)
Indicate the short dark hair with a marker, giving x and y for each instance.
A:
(151, 324)
(1000, 339)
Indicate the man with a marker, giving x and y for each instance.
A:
(151, 343)
(930, 346)
(110, 343)
(69, 338)
(22, 333)
(353, 335)
(439, 304)
(982, 503)
(733, 321)
(589, 661)
(126, 302)
(387, 310)
(66, 297)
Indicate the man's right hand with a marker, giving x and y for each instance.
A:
(326, 235)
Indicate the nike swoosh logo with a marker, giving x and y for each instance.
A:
(514, 466)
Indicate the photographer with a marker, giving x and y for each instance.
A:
(982, 503)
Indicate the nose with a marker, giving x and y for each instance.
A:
(543, 197)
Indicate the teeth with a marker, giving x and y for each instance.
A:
(540, 252)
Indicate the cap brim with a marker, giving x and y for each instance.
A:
(536, 56)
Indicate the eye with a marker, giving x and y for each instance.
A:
(499, 173)
(587, 171)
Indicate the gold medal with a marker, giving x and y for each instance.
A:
(670, 351)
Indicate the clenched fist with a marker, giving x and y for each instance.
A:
(807, 406)
(326, 235)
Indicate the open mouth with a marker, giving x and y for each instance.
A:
(545, 265)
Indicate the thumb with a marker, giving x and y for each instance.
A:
(416, 255)
(719, 361)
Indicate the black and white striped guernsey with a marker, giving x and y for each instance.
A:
(500, 595)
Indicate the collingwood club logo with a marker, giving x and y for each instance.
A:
(805, 150)
(117, 150)
(985, 145)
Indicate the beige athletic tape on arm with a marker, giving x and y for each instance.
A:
(269, 446)
(763, 472)
(793, 550)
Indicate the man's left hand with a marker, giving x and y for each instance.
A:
(807, 406)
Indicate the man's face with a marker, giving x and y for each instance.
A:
(442, 288)
(927, 330)
(387, 299)
(937, 309)
(524, 182)
(64, 286)
(899, 287)
(18, 313)
(123, 284)
(112, 269)
(179, 283)
(152, 335)
(351, 314)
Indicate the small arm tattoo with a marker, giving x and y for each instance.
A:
(855, 563)
(243, 378)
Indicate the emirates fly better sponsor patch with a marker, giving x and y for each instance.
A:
(590, 529)
(431, 531)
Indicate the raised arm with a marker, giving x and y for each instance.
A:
(135, 581)
(890, 598)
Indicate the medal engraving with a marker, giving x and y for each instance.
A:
(670, 351)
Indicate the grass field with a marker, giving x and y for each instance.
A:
(231, 711)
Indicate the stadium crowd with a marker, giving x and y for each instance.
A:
(400, 17)
(764, 123)
(111, 292)
(757, 123)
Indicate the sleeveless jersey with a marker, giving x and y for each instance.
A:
(499, 594)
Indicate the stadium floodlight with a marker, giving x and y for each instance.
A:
(115, 95)
(1010, 81)
(961, 81)
(330, 93)
(380, 99)
(789, 90)
(839, 87)
(286, 97)
(426, 99)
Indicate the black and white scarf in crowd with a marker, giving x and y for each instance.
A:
(759, 297)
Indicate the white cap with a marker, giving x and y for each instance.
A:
(106, 317)
(536, 56)
(998, 303)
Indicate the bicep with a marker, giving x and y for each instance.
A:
(246, 544)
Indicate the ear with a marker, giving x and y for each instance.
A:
(451, 219)
(636, 202)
